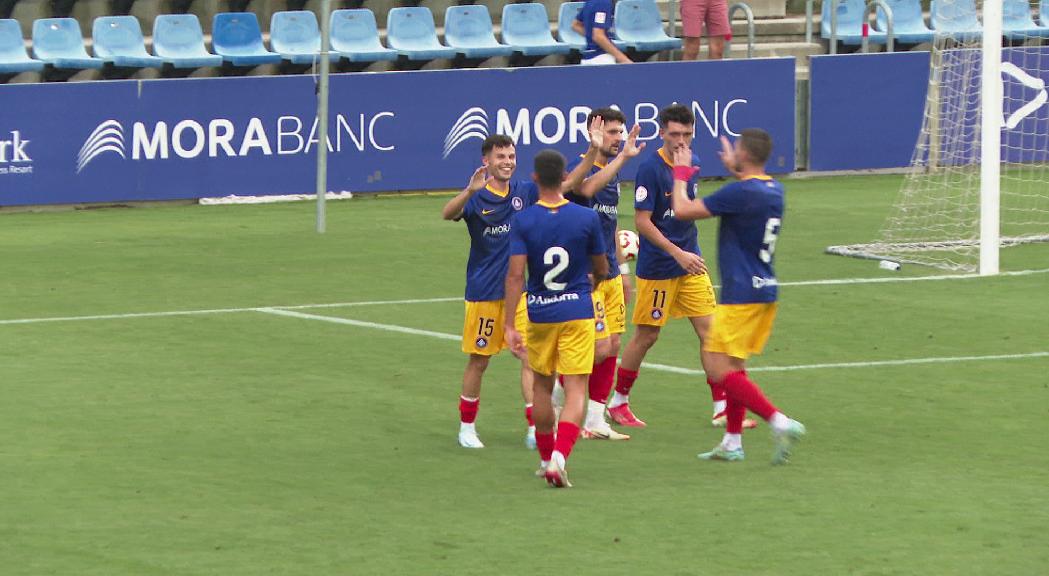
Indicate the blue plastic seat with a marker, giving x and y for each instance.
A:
(411, 32)
(468, 29)
(13, 57)
(1017, 22)
(296, 36)
(639, 24)
(908, 22)
(355, 36)
(118, 40)
(178, 40)
(956, 18)
(237, 38)
(565, 33)
(850, 23)
(58, 42)
(1043, 13)
(526, 27)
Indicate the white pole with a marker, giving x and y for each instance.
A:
(322, 116)
(991, 136)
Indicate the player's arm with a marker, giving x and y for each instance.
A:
(602, 40)
(692, 263)
(453, 210)
(684, 207)
(599, 267)
(624, 270)
(577, 25)
(598, 181)
(514, 286)
(597, 138)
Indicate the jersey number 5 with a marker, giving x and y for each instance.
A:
(557, 257)
(768, 245)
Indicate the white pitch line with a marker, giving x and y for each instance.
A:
(828, 282)
(360, 323)
(665, 367)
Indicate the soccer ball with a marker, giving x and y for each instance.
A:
(628, 244)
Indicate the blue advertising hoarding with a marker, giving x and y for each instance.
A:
(866, 109)
(192, 138)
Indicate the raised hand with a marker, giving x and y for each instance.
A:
(479, 179)
(728, 155)
(683, 156)
(597, 133)
(632, 148)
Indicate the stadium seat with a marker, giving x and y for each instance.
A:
(956, 19)
(296, 36)
(468, 29)
(1017, 23)
(526, 28)
(851, 14)
(355, 37)
(908, 22)
(640, 26)
(118, 40)
(237, 38)
(178, 40)
(1043, 13)
(58, 42)
(13, 57)
(411, 32)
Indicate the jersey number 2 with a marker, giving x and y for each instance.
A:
(768, 245)
(557, 257)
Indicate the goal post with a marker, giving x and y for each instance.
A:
(979, 176)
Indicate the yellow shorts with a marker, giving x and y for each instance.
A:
(688, 296)
(483, 327)
(740, 330)
(562, 347)
(609, 308)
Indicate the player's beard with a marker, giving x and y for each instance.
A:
(503, 174)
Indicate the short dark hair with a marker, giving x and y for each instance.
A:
(757, 143)
(495, 141)
(549, 168)
(606, 114)
(676, 113)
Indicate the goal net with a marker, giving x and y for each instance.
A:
(936, 218)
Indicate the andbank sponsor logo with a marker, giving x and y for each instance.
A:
(218, 137)
(551, 125)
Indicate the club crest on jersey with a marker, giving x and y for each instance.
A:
(482, 342)
(599, 326)
(517, 203)
(657, 314)
(641, 194)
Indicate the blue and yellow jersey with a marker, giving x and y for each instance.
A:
(559, 240)
(488, 214)
(751, 212)
(595, 14)
(652, 192)
(606, 204)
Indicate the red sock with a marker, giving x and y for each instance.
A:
(602, 379)
(734, 413)
(625, 380)
(544, 443)
(561, 380)
(468, 410)
(717, 391)
(747, 393)
(528, 415)
(567, 434)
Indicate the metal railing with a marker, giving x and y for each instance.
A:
(871, 8)
(750, 27)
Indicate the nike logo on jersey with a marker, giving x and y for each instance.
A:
(486, 212)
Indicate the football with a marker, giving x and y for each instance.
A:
(628, 244)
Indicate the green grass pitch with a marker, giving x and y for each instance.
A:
(244, 443)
